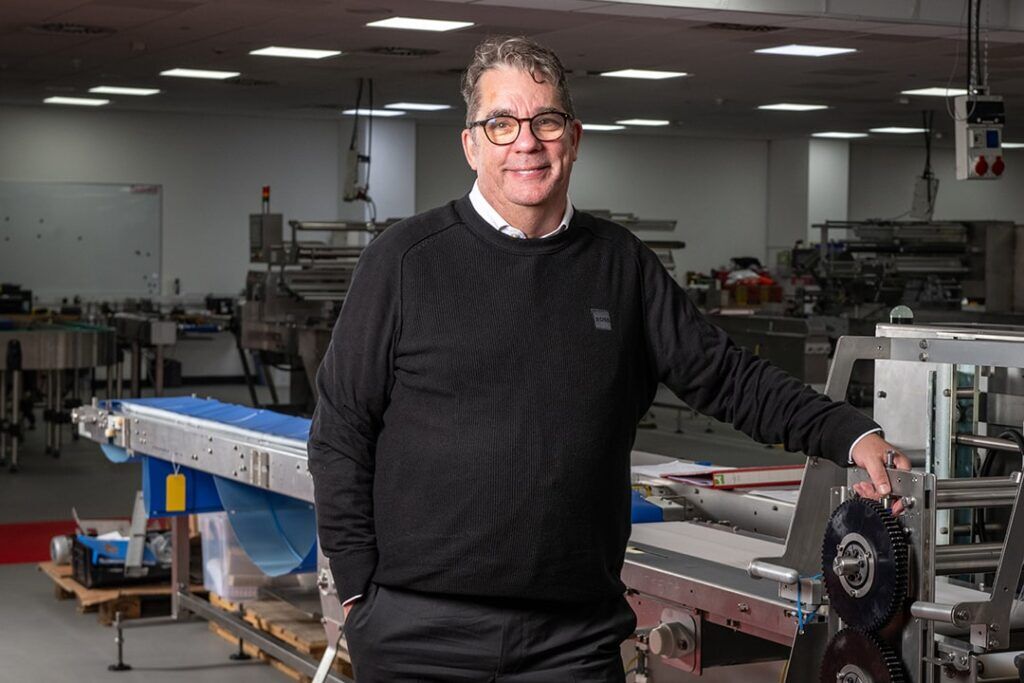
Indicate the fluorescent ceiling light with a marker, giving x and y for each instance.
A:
(118, 90)
(417, 106)
(372, 112)
(789, 106)
(80, 101)
(935, 92)
(899, 130)
(295, 52)
(601, 126)
(805, 50)
(419, 24)
(644, 73)
(643, 122)
(200, 73)
(839, 135)
(1012, 145)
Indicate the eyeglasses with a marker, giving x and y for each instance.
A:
(504, 130)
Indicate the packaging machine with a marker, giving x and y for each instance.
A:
(837, 586)
(52, 357)
(292, 302)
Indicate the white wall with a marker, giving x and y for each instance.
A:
(211, 169)
(716, 190)
(882, 185)
(828, 183)
(787, 195)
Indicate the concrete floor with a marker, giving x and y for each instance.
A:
(42, 638)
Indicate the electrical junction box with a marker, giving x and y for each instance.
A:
(979, 137)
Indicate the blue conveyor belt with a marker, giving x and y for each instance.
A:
(256, 419)
(277, 532)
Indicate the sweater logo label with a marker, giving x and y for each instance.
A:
(602, 321)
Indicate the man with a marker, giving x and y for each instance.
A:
(479, 400)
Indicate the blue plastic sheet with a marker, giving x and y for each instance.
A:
(115, 549)
(644, 511)
(115, 453)
(277, 532)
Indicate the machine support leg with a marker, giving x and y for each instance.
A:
(120, 374)
(15, 417)
(268, 379)
(110, 382)
(136, 369)
(3, 417)
(119, 639)
(48, 410)
(58, 410)
(158, 382)
(240, 656)
(179, 563)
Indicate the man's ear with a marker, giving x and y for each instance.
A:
(577, 133)
(469, 147)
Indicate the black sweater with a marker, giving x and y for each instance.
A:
(480, 396)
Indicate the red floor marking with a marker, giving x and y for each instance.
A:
(30, 542)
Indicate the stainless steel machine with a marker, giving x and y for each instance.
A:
(54, 357)
(292, 302)
(855, 593)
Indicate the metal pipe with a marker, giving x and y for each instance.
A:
(977, 557)
(15, 416)
(48, 413)
(3, 417)
(759, 569)
(158, 389)
(932, 611)
(136, 369)
(110, 382)
(990, 442)
(980, 492)
(58, 410)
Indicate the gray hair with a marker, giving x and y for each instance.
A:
(518, 52)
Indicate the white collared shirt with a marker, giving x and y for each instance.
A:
(494, 219)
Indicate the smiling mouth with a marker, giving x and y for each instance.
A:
(528, 171)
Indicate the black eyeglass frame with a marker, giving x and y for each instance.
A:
(519, 122)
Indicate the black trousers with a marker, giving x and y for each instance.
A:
(401, 636)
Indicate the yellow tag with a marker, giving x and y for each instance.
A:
(175, 496)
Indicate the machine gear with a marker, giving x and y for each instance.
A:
(853, 656)
(864, 564)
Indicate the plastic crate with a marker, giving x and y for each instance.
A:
(227, 570)
(102, 564)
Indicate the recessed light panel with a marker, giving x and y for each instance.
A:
(200, 73)
(372, 112)
(839, 135)
(643, 122)
(602, 126)
(648, 74)
(936, 92)
(295, 52)
(789, 106)
(413, 24)
(898, 130)
(417, 106)
(805, 50)
(1012, 145)
(79, 101)
(119, 90)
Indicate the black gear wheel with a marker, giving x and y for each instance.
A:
(853, 656)
(881, 591)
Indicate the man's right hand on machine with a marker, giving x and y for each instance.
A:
(871, 454)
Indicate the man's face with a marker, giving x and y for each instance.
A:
(528, 172)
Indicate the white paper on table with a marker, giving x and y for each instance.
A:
(675, 468)
(112, 536)
(786, 495)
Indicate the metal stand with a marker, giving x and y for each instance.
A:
(14, 365)
(240, 656)
(119, 639)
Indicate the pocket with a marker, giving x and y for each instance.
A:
(361, 610)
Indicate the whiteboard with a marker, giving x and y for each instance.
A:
(95, 240)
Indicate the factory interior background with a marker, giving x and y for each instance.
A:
(144, 252)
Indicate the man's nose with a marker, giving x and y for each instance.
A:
(527, 141)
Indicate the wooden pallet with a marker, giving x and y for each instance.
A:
(289, 625)
(107, 602)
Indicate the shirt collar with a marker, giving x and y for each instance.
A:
(494, 219)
